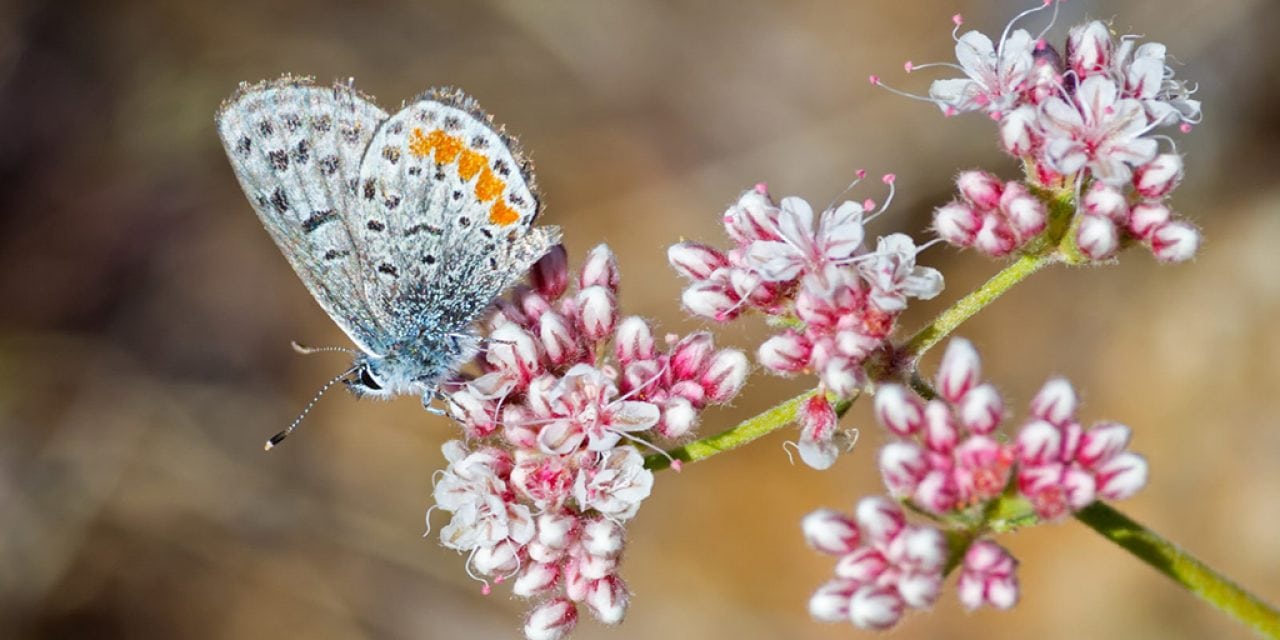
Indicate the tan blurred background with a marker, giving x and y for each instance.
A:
(146, 315)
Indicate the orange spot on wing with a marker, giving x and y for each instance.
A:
(419, 145)
(502, 215)
(489, 186)
(470, 163)
(447, 147)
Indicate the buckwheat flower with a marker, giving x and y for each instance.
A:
(993, 217)
(892, 272)
(615, 484)
(568, 395)
(802, 248)
(947, 459)
(886, 567)
(1062, 467)
(552, 620)
(988, 577)
(1148, 78)
(995, 75)
(1097, 129)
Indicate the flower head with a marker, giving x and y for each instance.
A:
(567, 393)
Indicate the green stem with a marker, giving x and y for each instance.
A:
(975, 301)
(746, 431)
(1183, 569)
(751, 429)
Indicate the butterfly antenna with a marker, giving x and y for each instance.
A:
(279, 437)
(306, 351)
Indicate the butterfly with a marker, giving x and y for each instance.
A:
(403, 227)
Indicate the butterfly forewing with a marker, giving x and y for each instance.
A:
(445, 212)
(296, 149)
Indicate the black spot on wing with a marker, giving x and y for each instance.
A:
(318, 218)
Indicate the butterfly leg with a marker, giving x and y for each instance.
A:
(428, 401)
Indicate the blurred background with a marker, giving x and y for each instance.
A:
(145, 316)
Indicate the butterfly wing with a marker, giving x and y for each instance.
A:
(296, 149)
(446, 210)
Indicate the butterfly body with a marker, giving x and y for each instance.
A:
(404, 227)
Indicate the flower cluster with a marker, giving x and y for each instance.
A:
(837, 299)
(1087, 118)
(550, 470)
(946, 460)
(885, 565)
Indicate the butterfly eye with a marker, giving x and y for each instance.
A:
(367, 379)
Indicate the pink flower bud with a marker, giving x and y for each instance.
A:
(575, 584)
(924, 548)
(1089, 49)
(500, 557)
(600, 269)
(1039, 442)
(607, 599)
(960, 370)
(1019, 131)
(1121, 476)
(785, 353)
(918, 589)
(1080, 487)
(1106, 201)
(902, 466)
(863, 564)
(679, 417)
(711, 299)
(830, 603)
(879, 518)
(830, 532)
(634, 341)
(940, 432)
(689, 357)
(532, 304)
(1158, 178)
(550, 274)
(980, 188)
(956, 223)
(695, 261)
(514, 352)
(898, 410)
(817, 418)
(1175, 241)
(551, 620)
(725, 376)
(557, 338)
(602, 537)
(597, 567)
(1145, 218)
(1055, 402)
(1025, 213)
(536, 578)
(982, 468)
(875, 608)
(599, 312)
(842, 377)
(1102, 442)
(936, 492)
(752, 218)
(557, 531)
(982, 409)
(995, 238)
(987, 577)
(1097, 237)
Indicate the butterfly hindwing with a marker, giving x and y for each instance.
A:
(446, 207)
(296, 149)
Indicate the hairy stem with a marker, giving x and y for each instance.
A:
(955, 315)
(1182, 568)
